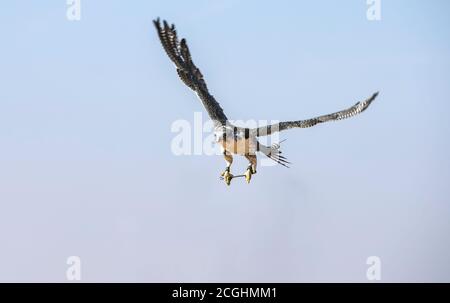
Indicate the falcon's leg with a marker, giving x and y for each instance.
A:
(251, 169)
(227, 176)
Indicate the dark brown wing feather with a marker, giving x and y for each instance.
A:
(344, 114)
(178, 52)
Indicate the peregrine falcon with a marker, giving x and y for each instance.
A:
(233, 139)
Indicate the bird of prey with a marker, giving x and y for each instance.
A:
(233, 139)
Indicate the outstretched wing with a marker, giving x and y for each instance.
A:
(343, 114)
(178, 52)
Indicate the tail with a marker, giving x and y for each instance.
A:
(273, 152)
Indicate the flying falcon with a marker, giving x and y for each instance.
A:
(232, 139)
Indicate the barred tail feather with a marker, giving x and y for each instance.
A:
(273, 152)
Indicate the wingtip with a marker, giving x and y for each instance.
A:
(373, 97)
(157, 23)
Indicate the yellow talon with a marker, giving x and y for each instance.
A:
(248, 175)
(227, 176)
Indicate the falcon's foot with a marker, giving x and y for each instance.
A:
(227, 176)
(248, 174)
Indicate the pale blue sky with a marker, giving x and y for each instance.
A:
(86, 167)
